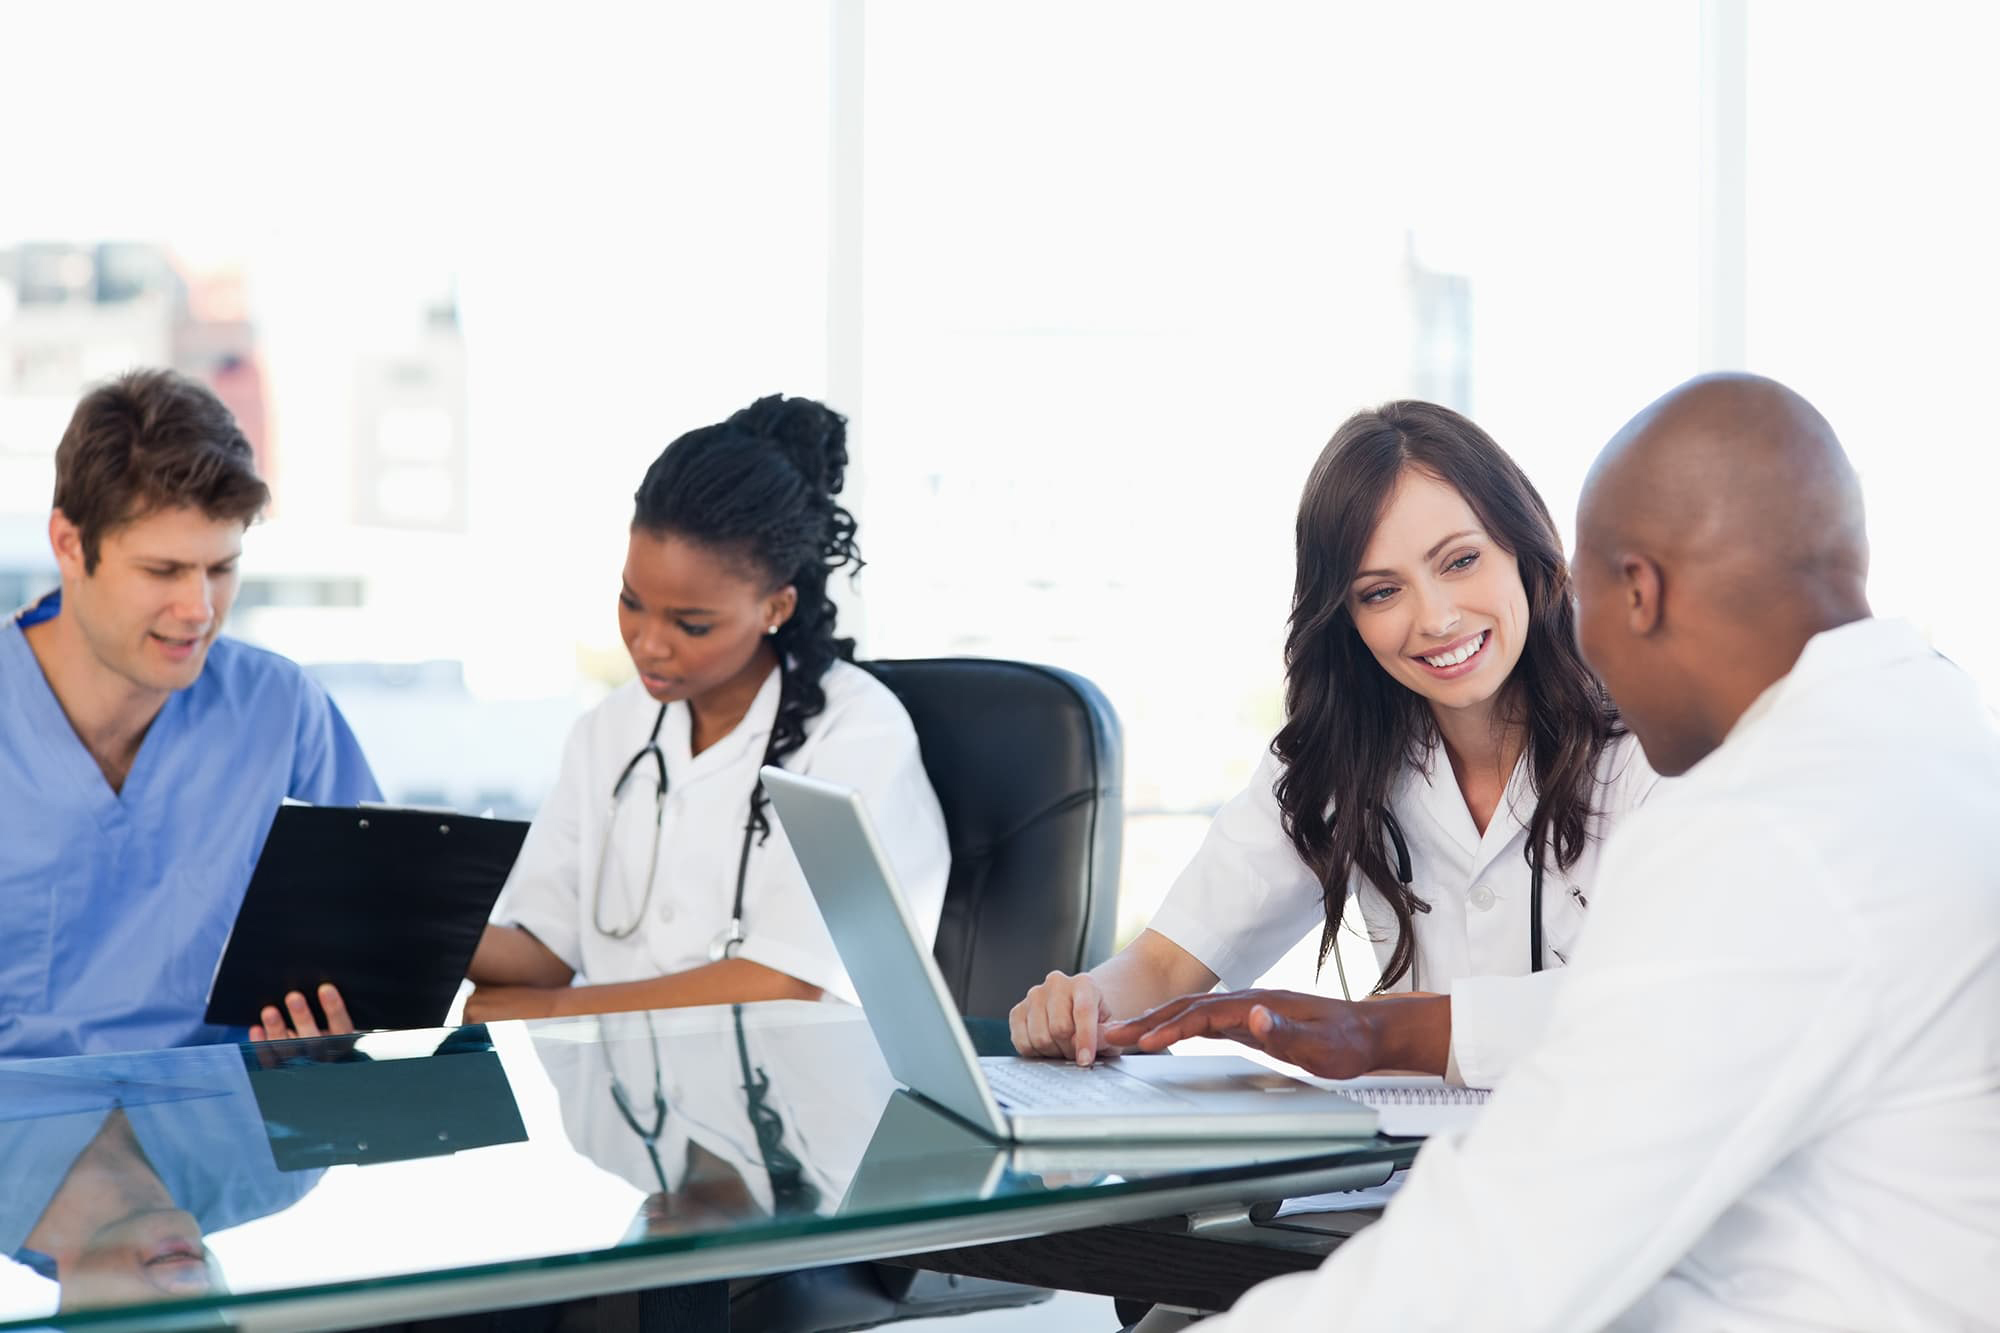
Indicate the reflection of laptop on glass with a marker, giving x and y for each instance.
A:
(920, 1154)
(917, 1026)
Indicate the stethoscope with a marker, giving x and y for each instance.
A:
(1401, 847)
(730, 938)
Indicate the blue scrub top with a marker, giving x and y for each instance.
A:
(114, 906)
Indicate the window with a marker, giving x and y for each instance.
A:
(1096, 282)
(1127, 267)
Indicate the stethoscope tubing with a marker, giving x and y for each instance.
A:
(1401, 846)
(730, 941)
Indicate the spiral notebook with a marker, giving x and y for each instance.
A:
(1413, 1105)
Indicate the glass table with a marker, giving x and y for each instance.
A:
(348, 1181)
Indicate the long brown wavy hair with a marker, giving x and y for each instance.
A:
(1349, 727)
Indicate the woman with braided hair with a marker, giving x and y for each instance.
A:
(654, 875)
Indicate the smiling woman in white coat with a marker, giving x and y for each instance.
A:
(1447, 759)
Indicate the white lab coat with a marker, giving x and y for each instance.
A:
(1769, 1093)
(863, 740)
(1247, 898)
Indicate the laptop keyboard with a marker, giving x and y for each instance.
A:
(1033, 1084)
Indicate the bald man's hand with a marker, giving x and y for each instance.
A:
(1330, 1038)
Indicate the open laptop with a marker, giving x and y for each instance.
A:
(917, 1026)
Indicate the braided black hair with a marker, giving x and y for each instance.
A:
(759, 489)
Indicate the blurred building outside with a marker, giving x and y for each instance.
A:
(325, 574)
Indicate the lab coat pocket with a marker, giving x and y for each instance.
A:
(1565, 912)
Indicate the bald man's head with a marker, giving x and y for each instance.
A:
(1716, 533)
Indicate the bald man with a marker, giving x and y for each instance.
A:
(1769, 1093)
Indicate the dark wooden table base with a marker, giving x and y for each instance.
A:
(1133, 1263)
(702, 1307)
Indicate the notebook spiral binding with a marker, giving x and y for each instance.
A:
(1439, 1095)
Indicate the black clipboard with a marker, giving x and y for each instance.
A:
(387, 904)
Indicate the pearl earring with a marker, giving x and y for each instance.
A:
(772, 630)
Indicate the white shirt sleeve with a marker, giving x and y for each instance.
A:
(1654, 1103)
(1497, 1020)
(541, 893)
(1246, 897)
(865, 742)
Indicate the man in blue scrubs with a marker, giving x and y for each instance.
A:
(142, 756)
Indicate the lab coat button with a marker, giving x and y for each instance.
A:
(1482, 897)
(666, 911)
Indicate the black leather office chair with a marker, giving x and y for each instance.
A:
(1028, 765)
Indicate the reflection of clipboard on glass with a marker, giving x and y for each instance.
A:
(326, 1102)
(387, 904)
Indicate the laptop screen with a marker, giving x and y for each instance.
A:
(886, 956)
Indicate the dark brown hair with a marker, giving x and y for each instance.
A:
(151, 440)
(1349, 728)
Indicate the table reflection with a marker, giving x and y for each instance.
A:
(326, 1172)
(720, 1123)
(118, 1167)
